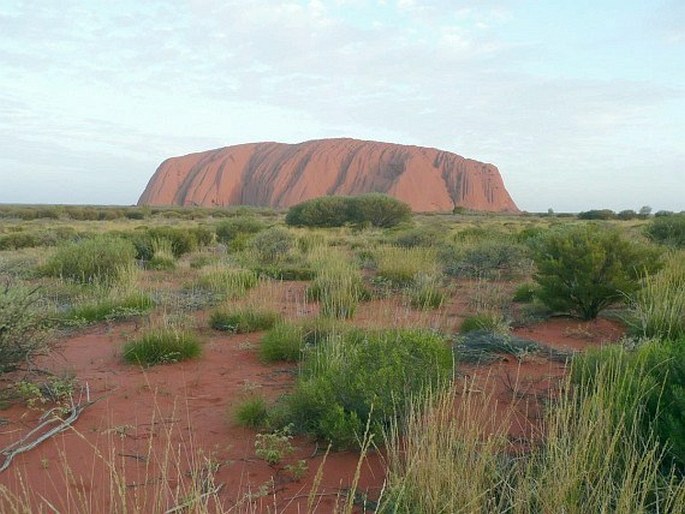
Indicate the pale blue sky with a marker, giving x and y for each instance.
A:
(580, 104)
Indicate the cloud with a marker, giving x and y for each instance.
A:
(140, 81)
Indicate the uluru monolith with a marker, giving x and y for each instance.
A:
(280, 175)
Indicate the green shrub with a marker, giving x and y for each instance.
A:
(378, 210)
(100, 260)
(668, 230)
(252, 412)
(365, 374)
(162, 346)
(108, 309)
(487, 259)
(583, 269)
(243, 320)
(19, 240)
(284, 342)
(230, 229)
(273, 244)
(597, 214)
(524, 293)
(374, 209)
(420, 236)
(325, 211)
(20, 330)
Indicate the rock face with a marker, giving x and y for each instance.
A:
(281, 175)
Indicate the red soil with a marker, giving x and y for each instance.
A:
(188, 404)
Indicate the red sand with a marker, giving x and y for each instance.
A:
(188, 404)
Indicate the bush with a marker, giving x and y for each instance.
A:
(162, 346)
(284, 342)
(273, 245)
(487, 259)
(228, 230)
(19, 240)
(668, 230)
(366, 374)
(378, 210)
(374, 209)
(524, 293)
(421, 236)
(583, 269)
(325, 211)
(103, 260)
(243, 321)
(597, 214)
(19, 326)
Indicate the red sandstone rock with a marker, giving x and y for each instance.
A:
(280, 175)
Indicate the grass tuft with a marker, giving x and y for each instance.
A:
(162, 346)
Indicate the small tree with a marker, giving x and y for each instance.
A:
(584, 269)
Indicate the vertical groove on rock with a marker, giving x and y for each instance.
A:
(280, 175)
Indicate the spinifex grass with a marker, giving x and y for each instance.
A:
(401, 266)
(111, 305)
(227, 282)
(426, 292)
(163, 257)
(456, 457)
(162, 346)
(243, 320)
(100, 260)
(338, 285)
(658, 308)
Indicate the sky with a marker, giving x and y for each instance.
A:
(580, 104)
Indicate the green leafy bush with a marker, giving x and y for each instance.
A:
(273, 244)
(378, 210)
(230, 229)
(597, 214)
(583, 269)
(162, 346)
(668, 230)
(362, 374)
(335, 211)
(101, 260)
(242, 321)
(20, 331)
(487, 259)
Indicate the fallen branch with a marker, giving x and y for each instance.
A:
(28, 442)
